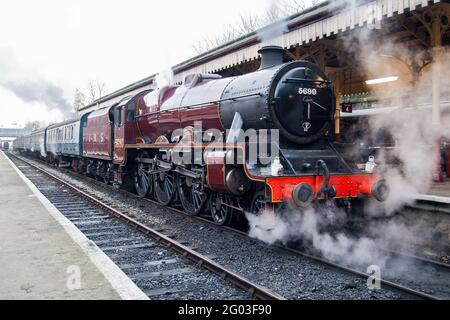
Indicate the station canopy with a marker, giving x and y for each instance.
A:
(326, 35)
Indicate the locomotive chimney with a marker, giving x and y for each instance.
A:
(271, 56)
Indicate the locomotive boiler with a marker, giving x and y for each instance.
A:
(295, 98)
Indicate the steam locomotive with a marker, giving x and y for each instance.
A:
(203, 144)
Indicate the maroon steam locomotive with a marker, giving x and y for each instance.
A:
(203, 143)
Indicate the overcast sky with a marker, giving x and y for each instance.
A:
(48, 48)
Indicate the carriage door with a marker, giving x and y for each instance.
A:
(119, 133)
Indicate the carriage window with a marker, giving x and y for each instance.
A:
(122, 116)
(130, 116)
(117, 117)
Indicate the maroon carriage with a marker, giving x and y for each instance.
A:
(97, 135)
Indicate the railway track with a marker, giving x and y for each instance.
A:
(409, 290)
(161, 266)
(395, 284)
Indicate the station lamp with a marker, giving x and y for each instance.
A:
(382, 80)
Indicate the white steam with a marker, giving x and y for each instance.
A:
(268, 35)
(42, 147)
(316, 230)
(411, 129)
(165, 76)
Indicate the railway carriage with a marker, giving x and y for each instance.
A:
(36, 143)
(97, 135)
(63, 141)
(19, 144)
(32, 144)
(27, 143)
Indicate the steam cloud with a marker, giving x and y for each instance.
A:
(409, 126)
(164, 77)
(40, 91)
(268, 35)
(18, 81)
(414, 137)
(313, 228)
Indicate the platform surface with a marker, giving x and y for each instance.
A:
(40, 258)
(440, 189)
(439, 192)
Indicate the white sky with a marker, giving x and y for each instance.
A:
(69, 42)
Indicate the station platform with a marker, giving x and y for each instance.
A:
(43, 255)
(440, 189)
(439, 192)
